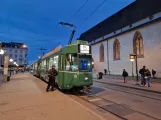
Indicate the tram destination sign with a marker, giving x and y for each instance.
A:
(84, 49)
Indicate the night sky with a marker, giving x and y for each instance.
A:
(35, 22)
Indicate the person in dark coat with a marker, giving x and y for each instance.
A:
(148, 76)
(51, 74)
(100, 75)
(124, 74)
(153, 73)
(142, 72)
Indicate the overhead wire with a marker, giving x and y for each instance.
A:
(80, 8)
(94, 10)
(90, 13)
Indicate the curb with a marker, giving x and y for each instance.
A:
(147, 90)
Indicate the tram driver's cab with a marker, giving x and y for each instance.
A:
(81, 61)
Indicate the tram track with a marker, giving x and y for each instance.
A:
(94, 99)
(131, 91)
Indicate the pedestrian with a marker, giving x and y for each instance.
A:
(142, 72)
(100, 75)
(147, 76)
(153, 73)
(105, 71)
(51, 74)
(124, 74)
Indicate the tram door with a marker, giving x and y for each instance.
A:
(60, 78)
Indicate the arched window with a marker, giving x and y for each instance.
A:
(116, 50)
(138, 44)
(101, 53)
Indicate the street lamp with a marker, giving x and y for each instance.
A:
(133, 57)
(14, 63)
(24, 46)
(1, 51)
(11, 60)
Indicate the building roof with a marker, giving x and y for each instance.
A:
(134, 12)
(13, 45)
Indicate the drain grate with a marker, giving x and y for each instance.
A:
(118, 110)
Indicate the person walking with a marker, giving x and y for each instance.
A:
(148, 76)
(124, 74)
(51, 74)
(142, 72)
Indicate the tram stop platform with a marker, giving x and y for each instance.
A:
(24, 98)
(155, 87)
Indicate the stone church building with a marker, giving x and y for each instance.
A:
(136, 29)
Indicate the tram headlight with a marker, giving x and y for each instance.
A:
(86, 78)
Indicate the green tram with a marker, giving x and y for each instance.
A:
(73, 63)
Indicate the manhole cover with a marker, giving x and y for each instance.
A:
(3, 104)
(119, 110)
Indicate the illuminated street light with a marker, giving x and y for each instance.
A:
(133, 57)
(24, 46)
(1, 52)
(132, 60)
(11, 60)
(14, 63)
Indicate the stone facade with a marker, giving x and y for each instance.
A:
(16, 52)
(151, 36)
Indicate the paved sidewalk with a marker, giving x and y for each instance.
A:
(155, 87)
(24, 98)
(119, 77)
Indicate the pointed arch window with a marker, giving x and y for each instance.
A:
(138, 47)
(102, 53)
(116, 50)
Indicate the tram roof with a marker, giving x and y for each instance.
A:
(58, 49)
(73, 48)
(66, 49)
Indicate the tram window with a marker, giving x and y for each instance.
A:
(71, 62)
(56, 62)
(43, 65)
(51, 62)
(85, 63)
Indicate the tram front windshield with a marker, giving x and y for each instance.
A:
(85, 63)
(75, 63)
